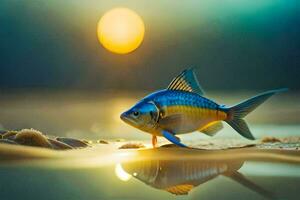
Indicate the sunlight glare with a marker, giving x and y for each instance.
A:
(121, 174)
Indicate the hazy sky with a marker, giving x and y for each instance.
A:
(234, 44)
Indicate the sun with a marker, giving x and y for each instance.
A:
(121, 30)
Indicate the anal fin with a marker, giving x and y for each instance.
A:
(180, 189)
(212, 128)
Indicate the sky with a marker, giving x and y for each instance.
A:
(233, 44)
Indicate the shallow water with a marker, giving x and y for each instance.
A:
(164, 173)
(103, 172)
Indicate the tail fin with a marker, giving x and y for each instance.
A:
(238, 112)
(240, 178)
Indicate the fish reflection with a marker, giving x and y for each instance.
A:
(180, 177)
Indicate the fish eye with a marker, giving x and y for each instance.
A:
(136, 113)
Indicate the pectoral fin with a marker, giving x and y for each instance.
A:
(172, 138)
(212, 128)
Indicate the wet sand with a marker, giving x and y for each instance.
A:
(106, 154)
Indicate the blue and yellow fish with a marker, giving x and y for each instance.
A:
(183, 108)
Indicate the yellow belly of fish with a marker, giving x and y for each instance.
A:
(196, 112)
(193, 118)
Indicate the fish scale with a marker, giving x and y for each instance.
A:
(174, 102)
(193, 110)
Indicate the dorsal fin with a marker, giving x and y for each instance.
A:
(186, 81)
(212, 128)
(180, 189)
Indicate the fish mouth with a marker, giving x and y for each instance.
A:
(127, 119)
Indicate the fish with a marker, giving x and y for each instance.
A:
(183, 108)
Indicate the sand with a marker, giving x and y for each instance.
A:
(31, 146)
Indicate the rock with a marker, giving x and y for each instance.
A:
(6, 141)
(72, 142)
(2, 132)
(85, 141)
(102, 142)
(59, 145)
(132, 146)
(32, 137)
(270, 139)
(10, 135)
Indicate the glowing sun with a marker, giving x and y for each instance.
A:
(121, 30)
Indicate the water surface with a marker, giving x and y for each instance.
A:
(104, 172)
